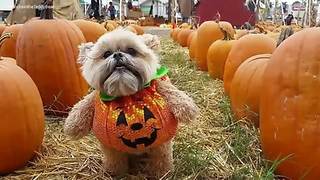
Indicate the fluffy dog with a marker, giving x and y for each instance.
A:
(121, 66)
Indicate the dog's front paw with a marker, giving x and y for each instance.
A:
(73, 129)
(186, 112)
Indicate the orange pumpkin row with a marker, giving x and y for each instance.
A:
(288, 83)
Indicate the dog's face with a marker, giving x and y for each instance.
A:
(120, 63)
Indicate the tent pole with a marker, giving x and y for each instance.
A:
(176, 10)
(120, 10)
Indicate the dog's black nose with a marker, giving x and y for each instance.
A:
(136, 126)
(117, 56)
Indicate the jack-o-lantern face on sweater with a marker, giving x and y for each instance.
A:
(142, 131)
(134, 123)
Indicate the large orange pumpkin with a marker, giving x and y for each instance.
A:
(190, 38)
(208, 33)
(134, 123)
(8, 48)
(242, 49)
(138, 28)
(91, 30)
(47, 51)
(290, 106)
(22, 117)
(193, 47)
(246, 86)
(183, 37)
(217, 55)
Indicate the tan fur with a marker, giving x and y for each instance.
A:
(151, 41)
(181, 105)
(79, 121)
(154, 162)
(159, 161)
(115, 162)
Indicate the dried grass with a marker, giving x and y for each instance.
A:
(213, 147)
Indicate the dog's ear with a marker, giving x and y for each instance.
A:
(152, 41)
(84, 50)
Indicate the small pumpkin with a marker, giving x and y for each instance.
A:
(8, 48)
(217, 55)
(240, 33)
(91, 30)
(226, 26)
(22, 117)
(208, 33)
(190, 38)
(114, 23)
(242, 49)
(246, 87)
(133, 124)
(47, 51)
(184, 26)
(138, 28)
(290, 106)
(132, 29)
(108, 26)
(193, 47)
(175, 33)
(183, 37)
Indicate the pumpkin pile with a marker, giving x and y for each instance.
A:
(274, 86)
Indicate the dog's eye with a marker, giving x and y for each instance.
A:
(132, 51)
(107, 54)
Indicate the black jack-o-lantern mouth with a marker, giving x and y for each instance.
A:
(146, 141)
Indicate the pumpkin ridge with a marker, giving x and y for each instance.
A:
(71, 64)
(82, 84)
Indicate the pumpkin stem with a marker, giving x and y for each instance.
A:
(246, 26)
(227, 35)
(46, 9)
(285, 33)
(4, 37)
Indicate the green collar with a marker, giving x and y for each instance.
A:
(162, 71)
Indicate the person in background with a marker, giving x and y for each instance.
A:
(130, 6)
(112, 11)
(104, 12)
(185, 8)
(95, 9)
(289, 19)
